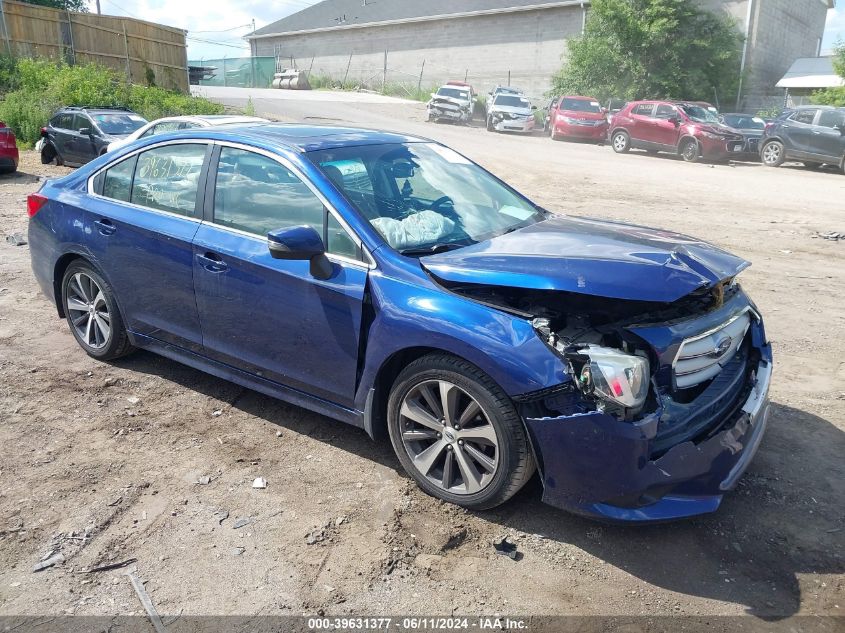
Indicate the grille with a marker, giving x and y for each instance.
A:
(702, 357)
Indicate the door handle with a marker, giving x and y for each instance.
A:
(816, 132)
(105, 227)
(212, 263)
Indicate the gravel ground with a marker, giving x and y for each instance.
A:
(101, 461)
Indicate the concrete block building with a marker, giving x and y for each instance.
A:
(492, 42)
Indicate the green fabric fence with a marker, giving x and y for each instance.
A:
(241, 72)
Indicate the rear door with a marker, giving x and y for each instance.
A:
(641, 123)
(266, 316)
(798, 132)
(828, 139)
(63, 136)
(142, 219)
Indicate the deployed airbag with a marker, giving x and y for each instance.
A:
(425, 227)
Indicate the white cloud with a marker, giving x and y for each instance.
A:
(834, 32)
(221, 23)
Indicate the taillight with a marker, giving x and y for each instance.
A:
(34, 202)
(769, 126)
(44, 132)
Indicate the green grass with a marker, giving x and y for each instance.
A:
(34, 89)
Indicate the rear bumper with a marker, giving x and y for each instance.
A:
(590, 462)
(9, 160)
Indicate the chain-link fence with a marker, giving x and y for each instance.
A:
(240, 72)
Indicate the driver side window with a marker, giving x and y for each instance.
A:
(665, 112)
(256, 194)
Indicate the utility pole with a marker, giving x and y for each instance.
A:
(98, 7)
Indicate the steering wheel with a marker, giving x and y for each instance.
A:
(443, 200)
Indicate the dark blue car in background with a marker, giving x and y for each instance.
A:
(391, 283)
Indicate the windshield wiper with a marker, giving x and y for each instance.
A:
(431, 250)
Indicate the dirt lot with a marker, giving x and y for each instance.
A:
(101, 461)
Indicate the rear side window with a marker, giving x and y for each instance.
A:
(804, 116)
(644, 109)
(256, 194)
(167, 178)
(117, 182)
(63, 121)
(832, 118)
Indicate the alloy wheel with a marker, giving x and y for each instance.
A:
(88, 310)
(771, 153)
(690, 151)
(620, 142)
(448, 437)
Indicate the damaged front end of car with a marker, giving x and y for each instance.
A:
(666, 402)
(450, 109)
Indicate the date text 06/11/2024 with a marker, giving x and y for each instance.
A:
(417, 623)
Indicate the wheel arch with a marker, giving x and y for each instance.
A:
(375, 414)
(59, 269)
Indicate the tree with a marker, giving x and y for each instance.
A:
(67, 5)
(653, 49)
(834, 96)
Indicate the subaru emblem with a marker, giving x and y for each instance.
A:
(722, 347)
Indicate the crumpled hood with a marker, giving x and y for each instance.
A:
(592, 257)
(511, 110)
(444, 100)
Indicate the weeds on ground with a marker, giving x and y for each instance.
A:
(34, 89)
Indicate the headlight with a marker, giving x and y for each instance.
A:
(610, 376)
(614, 376)
(715, 137)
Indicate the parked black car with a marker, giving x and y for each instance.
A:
(813, 135)
(76, 135)
(752, 128)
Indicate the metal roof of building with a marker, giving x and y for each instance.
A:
(340, 14)
(811, 72)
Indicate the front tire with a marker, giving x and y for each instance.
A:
(92, 313)
(773, 154)
(689, 150)
(457, 434)
(621, 142)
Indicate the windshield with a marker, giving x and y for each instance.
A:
(118, 123)
(423, 197)
(743, 122)
(512, 101)
(455, 93)
(699, 114)
(580, 105)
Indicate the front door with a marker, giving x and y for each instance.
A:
(666, 131)
(141, 227)
(271, 317)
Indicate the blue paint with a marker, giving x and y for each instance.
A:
(216, 299)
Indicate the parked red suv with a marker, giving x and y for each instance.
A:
(681, 128)
(577, 117)
(8, 150)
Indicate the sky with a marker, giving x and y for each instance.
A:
(215, 27)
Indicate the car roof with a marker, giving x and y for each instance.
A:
(299, 137)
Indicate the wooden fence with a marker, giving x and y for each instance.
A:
(139, 49)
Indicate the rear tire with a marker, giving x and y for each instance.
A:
(92, 314)
(457, 434)
(621, 142)
(689, 150)
(773, 154)
(490, 127)
(49, 155)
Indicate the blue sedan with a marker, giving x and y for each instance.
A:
(389, 282)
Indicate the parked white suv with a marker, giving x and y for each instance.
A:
(510, 113)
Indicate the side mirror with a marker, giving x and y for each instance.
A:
(85, 131)
(675, 120)
(533, 107)
(300, 243)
